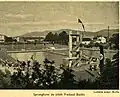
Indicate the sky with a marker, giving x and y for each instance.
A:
(17, 18)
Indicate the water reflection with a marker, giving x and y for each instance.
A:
(39, 56)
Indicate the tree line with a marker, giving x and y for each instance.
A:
(61, 38)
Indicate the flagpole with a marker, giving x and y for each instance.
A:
(79, 21)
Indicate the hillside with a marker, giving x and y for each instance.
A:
(37, 33)
(103, 32)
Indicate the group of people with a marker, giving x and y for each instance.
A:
(19, 65)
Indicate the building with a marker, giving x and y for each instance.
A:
(19, 39)
(9, 39)
(29, 39)
(101, 39)
(2, 38)
(86, 41)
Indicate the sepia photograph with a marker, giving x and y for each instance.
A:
(59, 45)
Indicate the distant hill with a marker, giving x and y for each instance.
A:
(103, 32)
(37, 33)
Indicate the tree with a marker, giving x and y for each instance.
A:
(5, 79)
(49, 37)
(55, 38)
(114, 40)
(67, 79)
(63, 37)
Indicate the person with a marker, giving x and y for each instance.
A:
(23, 64)
(53, 42)
(28, 63)
(101, 65)
(90, 67)
(44, 44)
(95, 67)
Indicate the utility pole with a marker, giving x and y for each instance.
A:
(108, 35)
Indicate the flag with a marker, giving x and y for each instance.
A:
(79, 21)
